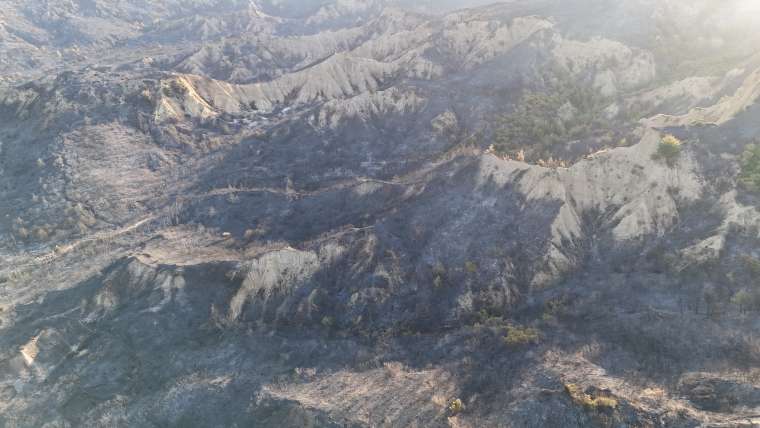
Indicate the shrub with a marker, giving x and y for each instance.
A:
(752, 264)
(437, 281)
(749, 178)
(548, 317)
(454, 407)
(439, 269)
(517, 336)
(556, 306)
(470, 266)
(393, 369)
(593, 403)
(668, 150)
(573, 390)
(742, 299)
(605, 402)
(22, 232)
(439, 273)
(41, 233)
(328, 322)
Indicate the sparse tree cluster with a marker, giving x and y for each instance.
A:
(542, 123)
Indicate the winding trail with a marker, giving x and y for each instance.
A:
(105, 235)
(414, 177)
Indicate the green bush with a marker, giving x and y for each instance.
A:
(668, 150)
(749, 178)
(454, 407)
(742, 299)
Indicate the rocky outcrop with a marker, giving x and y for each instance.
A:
(614, 67)
(717, 394)
(274, 275)
(721, 112)
(339, 76)
(474, 40)
(635, 200)
(366, 107)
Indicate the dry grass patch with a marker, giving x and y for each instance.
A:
(517, 336)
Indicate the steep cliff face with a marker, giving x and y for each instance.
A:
(354, 213)
(726, 109)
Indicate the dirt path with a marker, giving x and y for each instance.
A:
(105, 235)
(414, 177)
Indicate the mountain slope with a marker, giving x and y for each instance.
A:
(353, 213)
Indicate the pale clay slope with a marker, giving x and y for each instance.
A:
(339, 76)
(622, 68)
(275, 273)
(348, 395)
(366, 106)
(625, 182)
(736, 214)
(351, 83)
(682, 95)
(639, 193)
(642, 192)
(366, 68)
(291, 53)
(345, 74)
(723, 111)
(639, 198)
(339, 9)
(476, 41)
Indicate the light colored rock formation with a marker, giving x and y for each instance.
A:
(367, 106)
(629, 192)
(446, 123)
(617, 67)
(474, 41)
(682, 95)
(352, 396)
(272, 274)
(339, 76)
(340, 9)
(721, 112)
(289, 221)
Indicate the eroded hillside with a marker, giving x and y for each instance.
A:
(368, 213)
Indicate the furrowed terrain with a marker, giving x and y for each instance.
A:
(379, 213)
